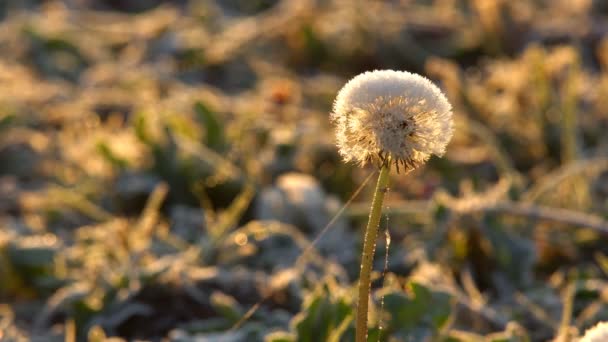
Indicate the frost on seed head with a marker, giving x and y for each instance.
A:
(392, 115)
(598, 333)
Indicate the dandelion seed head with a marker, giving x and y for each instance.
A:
(598, 333)
(391, 114)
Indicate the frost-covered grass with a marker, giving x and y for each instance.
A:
(165, 166)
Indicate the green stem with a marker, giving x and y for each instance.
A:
(367, 257)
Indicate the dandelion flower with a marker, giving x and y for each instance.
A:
(385, 117)
(598, 333)
(391, 115)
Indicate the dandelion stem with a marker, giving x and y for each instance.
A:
(367, 257)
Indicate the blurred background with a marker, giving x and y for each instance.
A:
(167, 165)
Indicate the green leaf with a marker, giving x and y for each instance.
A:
(55, 56)
(515, 255)
(6, 121)
(280, 336)
(141, 131)
(602, 261)
(226, 306)
(323, 314)
(419, 314)
(107, 153)
(214, 131)
(33, 252)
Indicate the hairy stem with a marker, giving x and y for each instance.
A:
(367, 257)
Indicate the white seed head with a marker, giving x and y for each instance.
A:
(392, 115)
(598, 333)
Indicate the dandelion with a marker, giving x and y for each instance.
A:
(391, 115)
(385, 117)
(598, 333)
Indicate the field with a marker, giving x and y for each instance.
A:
(168, 171)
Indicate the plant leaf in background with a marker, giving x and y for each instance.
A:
(227, 306)
(325, 316)
(417, 315)
(214, 130)
(56, 56)
(6, 121)
(109, 155)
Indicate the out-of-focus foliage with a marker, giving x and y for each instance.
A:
(165, 166)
